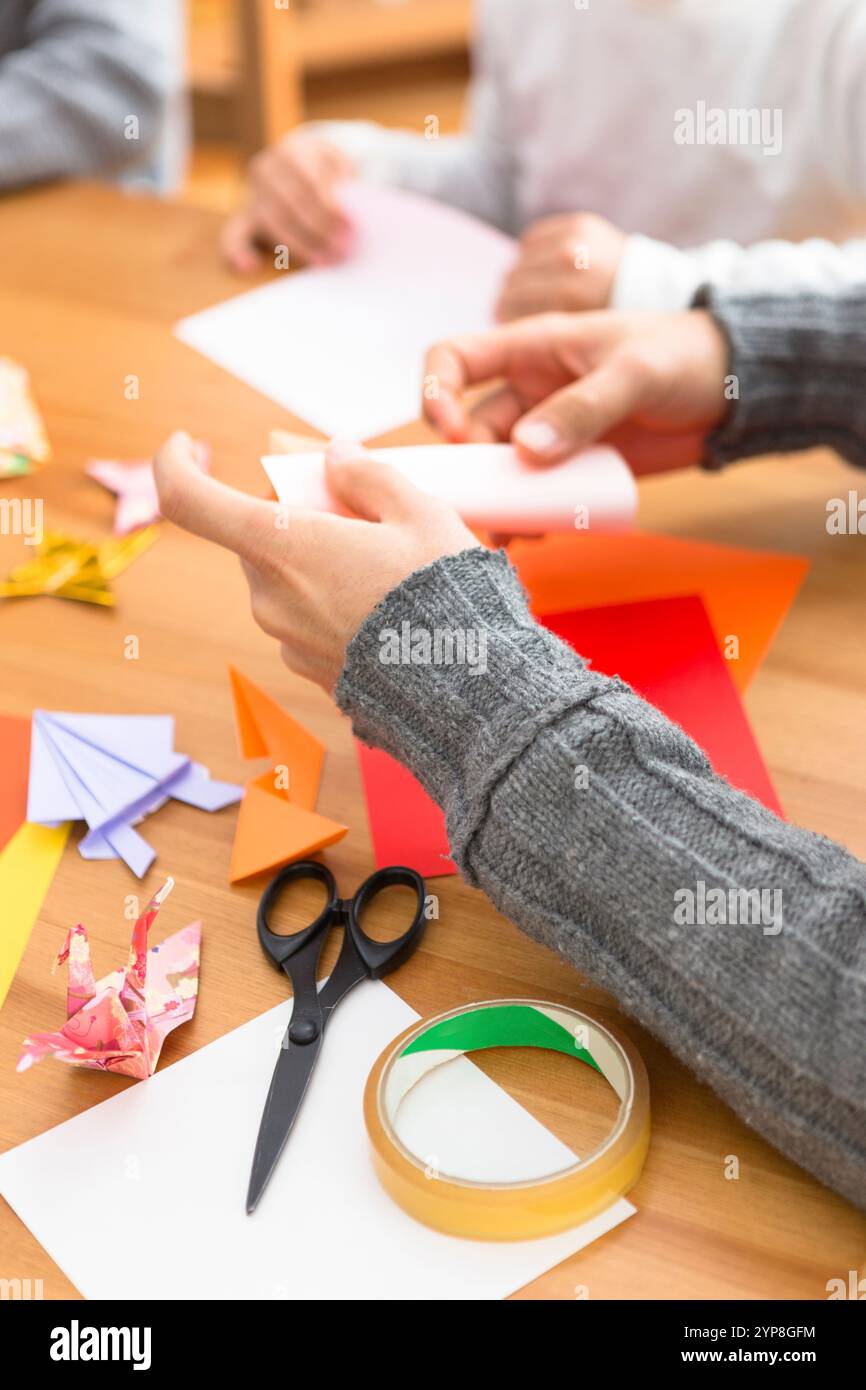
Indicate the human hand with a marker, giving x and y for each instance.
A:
(650, 384)
(292, 203)
(314, 577)
(567, 262)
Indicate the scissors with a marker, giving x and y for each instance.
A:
(360, 958)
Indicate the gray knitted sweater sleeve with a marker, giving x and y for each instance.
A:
(799, 363)
(72, 75)
(592, 821)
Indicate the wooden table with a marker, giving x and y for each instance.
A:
(91, 283)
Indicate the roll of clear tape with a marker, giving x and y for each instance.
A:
(508, 1210)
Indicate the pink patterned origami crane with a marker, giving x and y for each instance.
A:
(120, 1023)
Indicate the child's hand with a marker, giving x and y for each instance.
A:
(313, 577)
(292, 204)
(566, 262)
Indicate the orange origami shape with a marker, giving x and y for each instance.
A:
(277, 822)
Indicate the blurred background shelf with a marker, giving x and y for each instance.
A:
(256, 70)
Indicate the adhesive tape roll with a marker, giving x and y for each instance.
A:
(508, 1210)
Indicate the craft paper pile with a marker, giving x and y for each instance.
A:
(120, 1023)
(746, 592)
(343, 346)
(490, 486)
(277, 821)
(667, 611)
(111, 770)
(75, 569)
(29, 854)
(135, 488)
(23, 442)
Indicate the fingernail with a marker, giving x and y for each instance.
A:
(539, 436)
(345, 450)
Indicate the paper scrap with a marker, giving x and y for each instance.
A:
(289, 442)
(328, 1230)
(120, 1023)
(343, 346)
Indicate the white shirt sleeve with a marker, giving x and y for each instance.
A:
(473, 170)
(655, 276)
(839, 124)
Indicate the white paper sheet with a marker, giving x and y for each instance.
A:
(143, 1196)
(343, 346)
(488, 484)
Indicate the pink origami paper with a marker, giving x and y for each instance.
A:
(135, 489)
(120, 1023)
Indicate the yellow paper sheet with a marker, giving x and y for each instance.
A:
(27, 866)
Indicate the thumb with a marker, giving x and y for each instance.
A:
(371, 490)
(238, 243)
(578, 414)
(200, 504)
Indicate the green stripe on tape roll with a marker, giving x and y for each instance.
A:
(505, 1025)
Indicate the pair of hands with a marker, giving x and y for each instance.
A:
(567, 262)
(652, 384)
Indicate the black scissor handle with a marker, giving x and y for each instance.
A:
(278, 948)
(381, 957)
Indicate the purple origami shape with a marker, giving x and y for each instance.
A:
(111, 770)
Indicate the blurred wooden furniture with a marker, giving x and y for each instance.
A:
(91, 282)
(260, 52)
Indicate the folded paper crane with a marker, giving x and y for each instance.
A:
(120, 1023)
(111, 770)
(277, 822)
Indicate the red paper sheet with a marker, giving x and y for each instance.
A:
(406, 827)
(14, 772)
(665, 648)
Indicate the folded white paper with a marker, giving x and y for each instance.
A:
(343, 346)
(144, 1195)
(488, 484)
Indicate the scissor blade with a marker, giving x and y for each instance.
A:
(288, 1088)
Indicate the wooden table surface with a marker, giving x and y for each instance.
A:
(90, 284)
